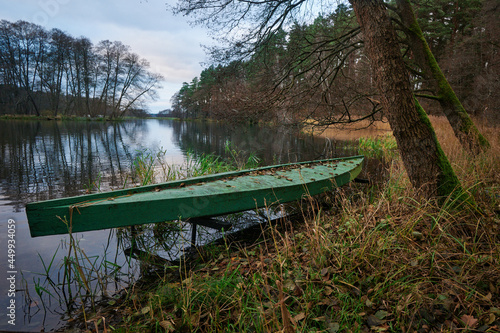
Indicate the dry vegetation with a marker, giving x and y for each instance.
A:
(375, 259)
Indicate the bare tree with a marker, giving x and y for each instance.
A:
(53, 71)
(81, 64)
(55, 67)
(125, 79)
(426, 164)
(463, 126)
(23, 53)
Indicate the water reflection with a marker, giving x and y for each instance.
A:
(49, 159)
(271, 144)
(42, 160)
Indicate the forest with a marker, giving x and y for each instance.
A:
(319, 70)
(413, 245)
(51, 73)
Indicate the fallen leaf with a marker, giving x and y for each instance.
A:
(167, 325)
(267, 304)
(417, 235)
(491, 319)
(289, 285)
(469, 321)
(299, 317)
(495, 311)
(381, 328)
(145, 309)
(333, 327)
(373, 321)
(326, 301)
(381, 314)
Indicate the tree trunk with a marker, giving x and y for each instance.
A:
(428, 168)
(463, 126)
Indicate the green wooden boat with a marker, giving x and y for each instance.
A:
(191, 199)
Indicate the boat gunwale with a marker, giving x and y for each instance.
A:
(182, 208)
(85, 198)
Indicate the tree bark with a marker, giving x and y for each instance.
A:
(428, 168)
(463, 126)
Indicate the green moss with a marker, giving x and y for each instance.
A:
(446, 94)
(448, 183)
(483, 141)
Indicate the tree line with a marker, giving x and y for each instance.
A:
(362, 60)
(52, 73)
(319, 70)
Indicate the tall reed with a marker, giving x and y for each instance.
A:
(80, 280)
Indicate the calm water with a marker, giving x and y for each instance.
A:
(48, 159)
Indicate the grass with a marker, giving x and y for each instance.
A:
(150, 167)
(383, 146)
(376, 258)
(77, 280)
(81, 281)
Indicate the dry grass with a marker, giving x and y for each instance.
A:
(374, 260)
(483, 169)
(352, 131)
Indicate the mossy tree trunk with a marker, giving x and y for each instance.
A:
(463, 126)
(427, 166)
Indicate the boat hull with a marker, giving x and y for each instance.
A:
(205, 196)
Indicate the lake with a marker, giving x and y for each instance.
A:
(41, 160)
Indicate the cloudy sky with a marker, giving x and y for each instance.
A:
(168, 42)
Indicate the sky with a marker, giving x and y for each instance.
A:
(171, 45)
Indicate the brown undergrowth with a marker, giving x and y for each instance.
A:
(366, 258)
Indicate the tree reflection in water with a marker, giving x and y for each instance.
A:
(42, 160)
